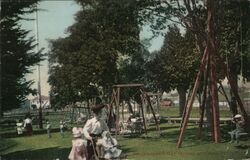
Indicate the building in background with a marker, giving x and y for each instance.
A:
(45, 102)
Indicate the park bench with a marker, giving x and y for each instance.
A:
(242, 134)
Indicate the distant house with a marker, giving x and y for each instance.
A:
(45, 102)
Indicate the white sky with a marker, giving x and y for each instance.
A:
(53, 20)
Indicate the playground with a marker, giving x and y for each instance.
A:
(125, 80)
(135, 146)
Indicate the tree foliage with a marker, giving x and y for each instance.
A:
(86, 60)
(17, 54)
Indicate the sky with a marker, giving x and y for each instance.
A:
(53, 20)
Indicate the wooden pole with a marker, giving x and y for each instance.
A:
(214, 89)
(117, 111)
(123, 112)
(215, 103)
(143, 118)
(190, 103)
(185, 109)
(156, 121)
(204, 99)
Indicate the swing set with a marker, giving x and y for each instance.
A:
(114, 107)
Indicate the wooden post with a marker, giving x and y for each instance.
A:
(190, 103)
(117, 111)
(214, 89)
(215, 103)
(156, 121)
(142, 112)
(204, 99)
(123, 112)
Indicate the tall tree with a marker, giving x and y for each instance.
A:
(176, 63)
(103, 30)
(17, 54)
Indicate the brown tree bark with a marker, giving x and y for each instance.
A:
(182, 99)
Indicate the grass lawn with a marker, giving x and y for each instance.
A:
(137, 147)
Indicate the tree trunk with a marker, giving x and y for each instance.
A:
(182, 99)
(234, 81)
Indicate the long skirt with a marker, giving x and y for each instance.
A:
(29, 129)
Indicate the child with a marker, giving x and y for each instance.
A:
(48, 127)
(62, 128)
(19, 127)
(78, 151)
(109, 145)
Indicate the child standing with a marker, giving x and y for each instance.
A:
(78, 151)
(48, 127)
(62, 128)
(19, 127)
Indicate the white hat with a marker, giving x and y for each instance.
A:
(237, 116)
(76, 132)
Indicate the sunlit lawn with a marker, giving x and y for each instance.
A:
(137, 147)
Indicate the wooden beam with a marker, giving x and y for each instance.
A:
(213, 78)
(190, 103)
(152, 110)
(143, 118)
(204, 99)
(117, 111)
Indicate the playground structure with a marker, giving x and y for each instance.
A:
(114, 106)
(210, 91)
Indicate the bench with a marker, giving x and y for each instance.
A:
(242, 134)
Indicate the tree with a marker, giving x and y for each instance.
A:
(86, 60)
(17, 55)
(175, 65)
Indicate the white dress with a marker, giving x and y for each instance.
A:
(110, 146)
(19, 128)
(78, 151)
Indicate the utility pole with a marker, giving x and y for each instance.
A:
(39, 75)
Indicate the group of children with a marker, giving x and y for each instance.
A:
(27, 125)
(61, 126)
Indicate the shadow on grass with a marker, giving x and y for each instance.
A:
(6, 144)
(48, 154)
(39, 154)
(171, 134)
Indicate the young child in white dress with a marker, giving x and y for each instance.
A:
(78, 151)
(109, 145)
(19, 127)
